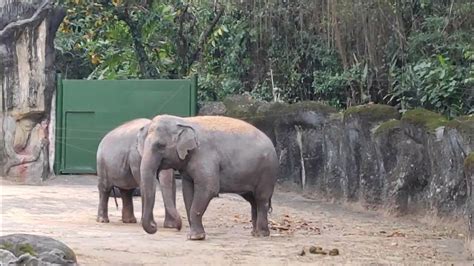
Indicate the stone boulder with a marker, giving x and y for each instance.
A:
(26, 249)
(212, 108)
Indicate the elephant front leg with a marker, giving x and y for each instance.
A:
(102, 213)
(127, 206)
(201, 199)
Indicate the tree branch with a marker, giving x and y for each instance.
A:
(21, 23)
(182, 42)
(146, 68)
(205, 35)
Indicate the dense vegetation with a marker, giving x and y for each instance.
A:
(408, 53)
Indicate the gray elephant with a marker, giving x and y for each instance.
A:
(214, 154)
(119, 157)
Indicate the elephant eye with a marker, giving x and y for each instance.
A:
(160, 145)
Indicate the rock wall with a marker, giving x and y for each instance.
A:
(27, 82)
(370, 154)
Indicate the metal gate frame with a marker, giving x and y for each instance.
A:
(60, 131)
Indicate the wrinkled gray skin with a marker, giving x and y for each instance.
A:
(119, 157)
(214, 155)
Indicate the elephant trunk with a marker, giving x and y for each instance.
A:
(148, 169)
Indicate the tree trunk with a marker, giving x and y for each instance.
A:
(27, 82)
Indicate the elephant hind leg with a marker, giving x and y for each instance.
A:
(251, 199)
(263, 205)
(127, 206)
(263, 195)
(104, 191)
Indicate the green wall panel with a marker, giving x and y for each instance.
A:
(88, 109)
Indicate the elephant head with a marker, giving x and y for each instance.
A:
(167, 144)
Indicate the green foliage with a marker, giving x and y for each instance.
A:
(226, 62)
(404, 53)
(436, 70)
(110, 36)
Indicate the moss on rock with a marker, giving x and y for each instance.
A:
(387, 126)
(250, 110)
(469, 162)
(240, 106)
(309, 106)
(372, 112)
(27, 248)
(19, 249)
(424, 118)
(463, 124)
(7, 246)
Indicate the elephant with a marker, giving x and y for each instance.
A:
(214, 154)
(119, 156)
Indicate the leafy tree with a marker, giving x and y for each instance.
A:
(407, 53)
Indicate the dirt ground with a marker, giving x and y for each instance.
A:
(65, 208)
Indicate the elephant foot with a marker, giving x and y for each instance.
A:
(131, 220)
(101, 219)
(261, 233)
(172, 224)
(196, 236)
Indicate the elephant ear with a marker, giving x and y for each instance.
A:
(141, 136)
(187, 141)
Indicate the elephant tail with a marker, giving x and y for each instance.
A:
(115, 197)
(270, 208)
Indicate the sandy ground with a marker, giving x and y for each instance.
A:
(65, 208)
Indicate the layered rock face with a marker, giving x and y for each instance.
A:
(27, 82)
(415, 163)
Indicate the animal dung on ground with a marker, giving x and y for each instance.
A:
(319, 251)
(334, 252)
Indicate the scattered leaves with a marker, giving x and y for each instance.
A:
(290, 225)
(396, 234)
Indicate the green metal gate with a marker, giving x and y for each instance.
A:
(87, 109)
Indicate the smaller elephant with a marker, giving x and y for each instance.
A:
(214, 154)
(119, 157)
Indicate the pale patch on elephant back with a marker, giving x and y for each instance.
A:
(221, 123)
